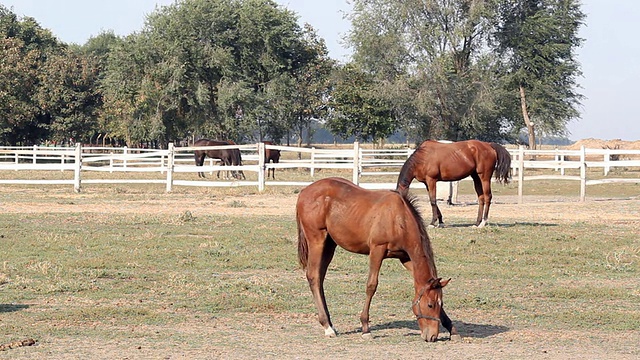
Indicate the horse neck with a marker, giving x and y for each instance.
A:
(406, 175)
(424, 268)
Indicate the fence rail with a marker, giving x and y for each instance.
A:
(361, 162)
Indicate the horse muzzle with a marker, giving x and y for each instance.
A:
(428, 337)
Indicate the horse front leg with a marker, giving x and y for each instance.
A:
(448, 324)
(376, 255)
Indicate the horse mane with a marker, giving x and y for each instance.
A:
(412, 202)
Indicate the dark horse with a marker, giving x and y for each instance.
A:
(227, 156)
(382, 224)
(435, 161)
(272, 155)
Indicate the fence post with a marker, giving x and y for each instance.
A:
(356, 163)
(583, 174)
(170, 157)
(35, 150)
(607, 158)
(62, 161)
(261, 166)
(313, 158)
(124, 157)
(78, 168)
(520, 173)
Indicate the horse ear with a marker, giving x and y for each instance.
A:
(444, 283)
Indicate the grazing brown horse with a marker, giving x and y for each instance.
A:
(227, 156)
(379, 223)
(272, 155)
(435, 161)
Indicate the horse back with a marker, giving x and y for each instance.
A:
(355, 218)
(454, 161)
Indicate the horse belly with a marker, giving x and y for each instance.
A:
(344, 234)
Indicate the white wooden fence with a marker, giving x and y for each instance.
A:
(361, 162)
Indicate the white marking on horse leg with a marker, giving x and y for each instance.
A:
(329, 332)
(367, 336)
(482, 223)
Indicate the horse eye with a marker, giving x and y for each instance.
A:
(430, 305)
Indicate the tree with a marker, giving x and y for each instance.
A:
(537, 39)
(68, 95)
(24, 48)
(358, 110)
(201, 67)
(309, 90)
(429, 61)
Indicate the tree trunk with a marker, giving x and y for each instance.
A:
(527, 121)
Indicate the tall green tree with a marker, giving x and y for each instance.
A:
(537, 40)
(69, 95)
(359, 112)
(201, 67)
(310, 86)
(24, 48)
(430, 61)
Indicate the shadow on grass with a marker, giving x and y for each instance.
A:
(503, 225)
(7, 308)
(477, 331)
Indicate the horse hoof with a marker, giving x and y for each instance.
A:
(455, 337)
(367, 336)
(329, 332)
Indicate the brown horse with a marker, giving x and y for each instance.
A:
(227, 156)
(435, 161)
(272, 155)
(382, 224)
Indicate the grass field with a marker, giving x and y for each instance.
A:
(130, 272)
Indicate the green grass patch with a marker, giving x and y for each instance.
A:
(96, 274)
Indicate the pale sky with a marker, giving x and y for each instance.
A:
(611, 72)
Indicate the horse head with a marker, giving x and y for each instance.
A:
(427, 306)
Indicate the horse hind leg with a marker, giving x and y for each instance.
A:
(320, 256)
(486, 185)
(199, 162)
(483, 190)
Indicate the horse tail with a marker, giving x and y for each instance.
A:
(303, 245)
(503, 163)
(238, 157)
